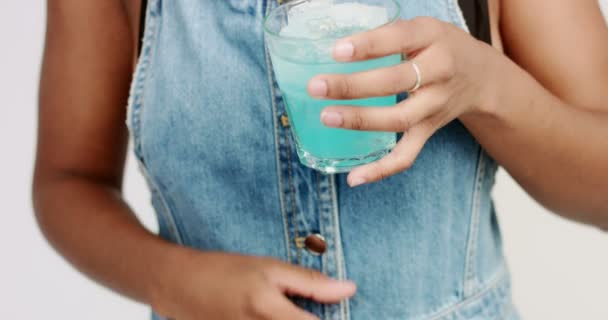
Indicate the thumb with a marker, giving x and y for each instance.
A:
(308, 283)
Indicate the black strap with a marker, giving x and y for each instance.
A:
(477, 16)
(142, 25)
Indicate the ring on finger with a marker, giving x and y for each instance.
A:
(418, 83)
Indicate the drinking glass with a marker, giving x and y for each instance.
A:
(299, 55)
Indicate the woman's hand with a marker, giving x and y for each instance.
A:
(226, 286)
(455, 80)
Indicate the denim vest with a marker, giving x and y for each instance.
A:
(210, 133)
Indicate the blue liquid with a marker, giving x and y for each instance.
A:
(329, 149)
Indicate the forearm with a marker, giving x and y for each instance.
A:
(82, 142)
(90, 225)
(557, 152)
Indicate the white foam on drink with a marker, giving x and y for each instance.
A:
(316, 19)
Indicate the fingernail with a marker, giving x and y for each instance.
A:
(331, 119)
(318, 88)
(355, 182)
(344, 50)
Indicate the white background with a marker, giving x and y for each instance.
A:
(560, 269)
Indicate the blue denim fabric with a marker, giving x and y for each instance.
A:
(205, 115)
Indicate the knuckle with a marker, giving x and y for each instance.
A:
(345, 87)
(445, 66)
(357, 121)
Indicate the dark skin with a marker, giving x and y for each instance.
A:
(82, 142)
(88, 158)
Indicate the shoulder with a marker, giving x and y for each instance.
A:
(564, 45)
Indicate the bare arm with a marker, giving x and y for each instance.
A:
(77, 188)
(81, 147)
(551, 132)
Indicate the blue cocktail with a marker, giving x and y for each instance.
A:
(300, 36)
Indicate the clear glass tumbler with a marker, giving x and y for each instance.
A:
(300, 36)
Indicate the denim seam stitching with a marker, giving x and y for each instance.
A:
(278, 156)
(278, 163)
(341, 267)
(326, 307)
(294, 219)
(134, 112)
(457, 16)
(165, 210)
(137, 86)
(141, 76)
(153, 31)
(294, 216)
(470, 269)
(498, 279)
(294, 212)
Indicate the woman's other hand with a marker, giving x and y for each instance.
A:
(226, 286)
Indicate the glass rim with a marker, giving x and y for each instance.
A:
(277, 35)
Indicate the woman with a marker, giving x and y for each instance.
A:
(246, 232)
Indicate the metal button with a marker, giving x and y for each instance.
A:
(315, 244)
(284, 121)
